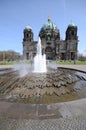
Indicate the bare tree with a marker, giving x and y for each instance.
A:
(9, 55)
(81, 57)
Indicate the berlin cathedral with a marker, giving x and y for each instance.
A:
(54, 47)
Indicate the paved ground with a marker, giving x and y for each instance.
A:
(78, 67)
(43, 111)
(59, 116)
(72, 123)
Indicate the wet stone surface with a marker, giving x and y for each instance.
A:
(58, 82)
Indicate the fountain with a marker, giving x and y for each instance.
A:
(39, 60)
(41, 85)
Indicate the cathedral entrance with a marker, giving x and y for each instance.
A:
(27, 56)
(63, 57)
(49, 53)
(72, 55)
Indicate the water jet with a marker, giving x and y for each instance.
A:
(39, 60)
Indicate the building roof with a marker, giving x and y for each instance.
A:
(72, 24)
(28, 27)
(49, 25)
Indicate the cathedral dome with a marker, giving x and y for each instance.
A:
(49, 25)
(28, 28)
(71, 24)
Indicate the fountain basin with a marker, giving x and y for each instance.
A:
(54, 86)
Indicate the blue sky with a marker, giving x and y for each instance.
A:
(15, 15)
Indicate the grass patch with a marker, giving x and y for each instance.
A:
(6, 63)
(58, 62)
(13, 62)
(71, 62)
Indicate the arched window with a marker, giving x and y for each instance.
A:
(48, 49)
(72, 33)
(27, 35)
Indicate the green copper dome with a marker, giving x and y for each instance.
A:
(72, 24)
(49, 25)
(28, 28)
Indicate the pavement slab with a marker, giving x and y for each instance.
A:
(56, 116)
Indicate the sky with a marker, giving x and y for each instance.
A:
(15, 15)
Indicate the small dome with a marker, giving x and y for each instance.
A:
(72, 24)
(28, 28)
(49, 25)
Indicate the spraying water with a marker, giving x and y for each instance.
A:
(39, 59)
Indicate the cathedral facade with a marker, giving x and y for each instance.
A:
(54, 47)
